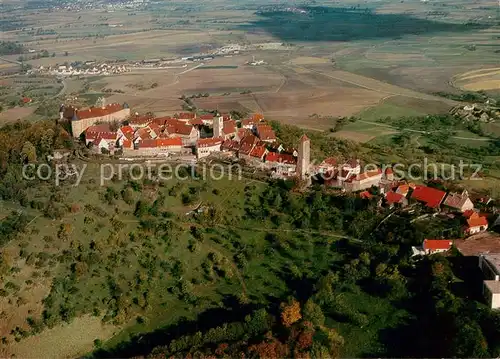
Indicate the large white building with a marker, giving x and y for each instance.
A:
(206, 146)
(490, 265)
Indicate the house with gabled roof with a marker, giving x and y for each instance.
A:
(328, 165)
(248, 124)
(475, 222)
(230, 146)
(229, 129)
(188, 133)
(363, 180)
(282, 162)
(246, 146)
(428, 196)
(394, 199)
(206, 146)
(185, 116)
(259, 152)
(240, 133)
(137, 121)
(459, 202)
(431, 246)
(265, 132)
(208, 119)
(101, 132)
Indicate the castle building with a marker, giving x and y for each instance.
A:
(304, 158)
(83, 119)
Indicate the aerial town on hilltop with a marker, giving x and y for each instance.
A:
(113, 129)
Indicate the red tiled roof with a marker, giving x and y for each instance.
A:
(477, 221)
(247, 122)
(231, 145)
(432, 197)
(208, 142)
(98, 111)
(369, 174)
(167, 142)
(208, 116)
(229, 127)
(393, 197)
(249, 139)
(178, 127)
(127, 143)
(469, 213)
(280, 158)
(242, 132)
(155, 128)
(403, 189)
(352, 163)
(388, 171)
(196, 121)
(258, 151)
(149, 143)
(257, 117)
(455, 200)
(140, 119)
(144, 134)
(160, 121)
(102, 131)
(102, 136)
(435, 244)
(26, 100)
(265, 132)
(365, 195)
(186, 115)
(127, 131)
(330, 161)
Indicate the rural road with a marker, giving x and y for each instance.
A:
(63, 90)
(11, 61)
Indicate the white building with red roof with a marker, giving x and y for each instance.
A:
(265, 132)
(393, 199)
(363, 180)
(229, 129)
(283, 163)
(83, 119)
(206, 146)
(185, 116)
(459, 202)
(207, 120)
(431, 246)
(476, 223)
(101, 132)
(329, 164)
(258, 152)
(188, 133)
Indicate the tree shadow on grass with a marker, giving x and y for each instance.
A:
(142, 344)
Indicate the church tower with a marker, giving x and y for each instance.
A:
(304, 158)
(218, 126)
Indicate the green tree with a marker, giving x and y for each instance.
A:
(28, 152)
(312, 312)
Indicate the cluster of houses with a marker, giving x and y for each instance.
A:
(89, 70)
